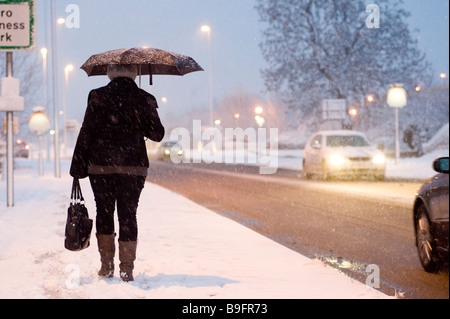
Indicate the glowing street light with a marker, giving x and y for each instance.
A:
(55, 91)
(44, 52)
(206, 28)
(68, 68)
(259, 109)
(353, 112)
(370, 98)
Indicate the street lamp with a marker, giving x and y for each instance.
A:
(396, 98)
(207, 29)
(259, 109)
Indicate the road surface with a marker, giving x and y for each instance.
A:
(359, 228)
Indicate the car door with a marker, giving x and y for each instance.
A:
(439, 199)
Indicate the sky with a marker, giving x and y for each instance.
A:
(174, 25)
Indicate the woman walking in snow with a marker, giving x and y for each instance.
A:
(111, 151)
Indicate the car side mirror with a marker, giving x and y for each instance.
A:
(441, 165)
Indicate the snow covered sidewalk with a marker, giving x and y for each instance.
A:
(185, 251)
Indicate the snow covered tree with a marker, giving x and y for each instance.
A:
(327, 49)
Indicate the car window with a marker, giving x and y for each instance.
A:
(169, 144)
(346, 140)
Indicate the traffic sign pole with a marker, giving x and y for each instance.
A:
(16, 34)
(9, 141)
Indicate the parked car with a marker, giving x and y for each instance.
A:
(170, 149)
(431, 218)
(21, 149)
(342, 153)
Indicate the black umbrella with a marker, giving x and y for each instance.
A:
(148, 61)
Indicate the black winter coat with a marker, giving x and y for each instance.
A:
(112, 138)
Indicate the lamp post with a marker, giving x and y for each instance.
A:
(44, 69)
(67, 69)
(207, 30)
(44, 53)
(396, 98)
(369, 100)
(443, 76)
(55, 93)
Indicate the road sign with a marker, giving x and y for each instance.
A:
(334, 109)
(17, 21)
(39, 123)
(10, 101)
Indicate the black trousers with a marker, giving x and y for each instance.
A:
(123, 190)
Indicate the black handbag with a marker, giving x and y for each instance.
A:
(78, 225)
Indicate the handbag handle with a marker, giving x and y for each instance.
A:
(76, 196)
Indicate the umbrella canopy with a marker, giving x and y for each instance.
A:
(148, 60)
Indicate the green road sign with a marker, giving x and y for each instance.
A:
(17, 25)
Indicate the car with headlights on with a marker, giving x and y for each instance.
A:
(170, 149)
(21, 149)
(342, 153)
(430, 215)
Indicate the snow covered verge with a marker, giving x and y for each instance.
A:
(185, 251)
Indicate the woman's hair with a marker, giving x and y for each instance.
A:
(121, 70)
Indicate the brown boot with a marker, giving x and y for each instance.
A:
(106, 248)
(127, 255)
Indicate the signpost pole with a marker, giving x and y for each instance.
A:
(9, 141)
(20, 13)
